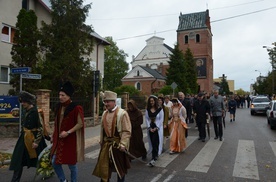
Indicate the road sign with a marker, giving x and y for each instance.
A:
(20, 70)
(173, 85)
(31, 76)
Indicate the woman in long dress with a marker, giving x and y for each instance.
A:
(177, 126)
(154, 119)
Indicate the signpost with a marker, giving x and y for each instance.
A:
(173, 85)
(24, 73)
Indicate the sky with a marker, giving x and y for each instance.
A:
(240, 29)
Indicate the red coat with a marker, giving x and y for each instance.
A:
(68, 150)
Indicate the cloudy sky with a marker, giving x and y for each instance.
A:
(240, 30)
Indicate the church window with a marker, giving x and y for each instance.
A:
(186, 39)
(197, 38)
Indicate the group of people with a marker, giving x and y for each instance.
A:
(121, 135)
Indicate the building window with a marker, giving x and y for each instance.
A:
(4, 74)
(138, 86)
(7, 34)
(138, 73)
(197, 38)
(186, 39)
(25, 4)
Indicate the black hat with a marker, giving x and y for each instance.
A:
(67, 88)
(200, 94)
(26, 97)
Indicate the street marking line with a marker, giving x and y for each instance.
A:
(170, 177)
(156, 178)
(166, 158)
(273, 146)
(203, 160)
(246, 162)
(92, 155)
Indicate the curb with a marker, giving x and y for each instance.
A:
(5, 162)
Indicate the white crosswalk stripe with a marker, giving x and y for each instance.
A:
(245, 165)
(203, 161)
(246, 162)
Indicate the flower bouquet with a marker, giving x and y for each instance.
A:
(44, 166)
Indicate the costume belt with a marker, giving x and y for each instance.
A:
(28, 140)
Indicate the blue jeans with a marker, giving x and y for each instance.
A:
(59, 171)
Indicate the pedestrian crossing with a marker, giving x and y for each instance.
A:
(245, 164)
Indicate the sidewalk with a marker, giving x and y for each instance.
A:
(92, 138)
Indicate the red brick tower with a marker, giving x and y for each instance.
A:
(194, 32)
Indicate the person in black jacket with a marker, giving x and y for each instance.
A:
(201, 110)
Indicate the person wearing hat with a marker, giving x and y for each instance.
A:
(68, 135)
(30, 142)
(177, 127)
(114, 140)
(201, 111)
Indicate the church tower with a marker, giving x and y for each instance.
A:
(194, 32)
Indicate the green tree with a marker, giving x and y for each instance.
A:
(25, 49)
(115, 65)
(67, 44)
(191, 74)
(127, 88)
(166, 90)
(177, 69)
(224, 87)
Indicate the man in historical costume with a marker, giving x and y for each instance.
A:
(68, 135)
(114, 140)
(30, 142)
(217, 113)
(201, 112)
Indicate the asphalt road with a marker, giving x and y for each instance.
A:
(247, 153)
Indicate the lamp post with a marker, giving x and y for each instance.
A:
(272, 57)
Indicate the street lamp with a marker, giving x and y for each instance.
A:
(272, 55)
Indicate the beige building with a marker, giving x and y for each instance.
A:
(231, 83)
(9, 10)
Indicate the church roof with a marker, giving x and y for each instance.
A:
(153, 72)
(191, 21)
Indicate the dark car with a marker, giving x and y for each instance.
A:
(259, 105)
(271, 114)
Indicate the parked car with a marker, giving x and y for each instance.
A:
(271, 114)
(259, 105)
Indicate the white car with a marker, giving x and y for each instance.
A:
(271, 114)
(259, 105)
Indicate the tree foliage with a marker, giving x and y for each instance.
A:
(224, 87)
(127, 88)
(115, 65)
(25, 49)
(177, 69)
(191, 74)
(67, 43)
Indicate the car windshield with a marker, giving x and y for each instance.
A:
(258, 100)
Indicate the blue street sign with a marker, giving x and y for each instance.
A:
(20, 70)
(31, 76)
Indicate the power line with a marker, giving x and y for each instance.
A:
(223, 19)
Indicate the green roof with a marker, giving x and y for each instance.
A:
(193, 21)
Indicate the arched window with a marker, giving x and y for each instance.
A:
(186, 39)
(197, 38)
(138, 86)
